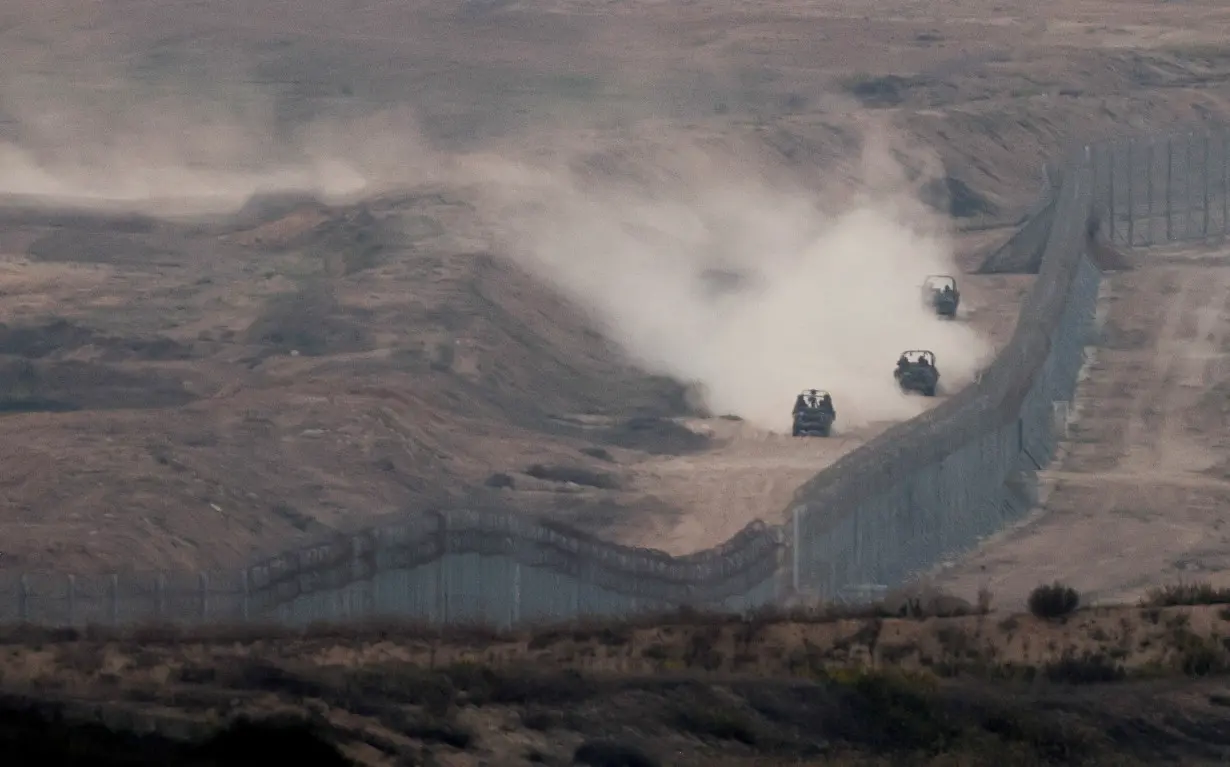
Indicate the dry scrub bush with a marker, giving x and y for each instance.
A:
(1090, 668)
(1053, 600)
(1177, 594)
(606, 753)
(985, 598)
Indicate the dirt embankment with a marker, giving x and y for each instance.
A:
(254, 398)
(209, 391)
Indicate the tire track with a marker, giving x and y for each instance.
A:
(1143, 437)
(722, 490)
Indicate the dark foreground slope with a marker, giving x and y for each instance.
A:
(1112, 686)
(476, 715)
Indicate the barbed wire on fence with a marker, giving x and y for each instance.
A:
(749, 560)
(920, 491)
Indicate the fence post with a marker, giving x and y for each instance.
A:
(1110, 175)
(480, 590)
(369, 570)
(1188, 176)
(1060, 419)
(575, 601)
(160, 588)
(1095, 173)
(1092, 159)
(23, 598)
(795, 524)
(1205, 177)
(1149, 191)
(203, 579)
(442, 600)
(72, 600)
(1225, 184)
(244, 597)
(515, 618)
(1169, 189)
(1131, 198)
(373, 596)
(115, 599)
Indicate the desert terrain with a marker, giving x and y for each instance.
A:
(263, 282)
(271, 272)
(470, 272)
(1137, 498)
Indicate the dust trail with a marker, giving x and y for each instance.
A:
(113, 143)
(707, 270)
(704, 260)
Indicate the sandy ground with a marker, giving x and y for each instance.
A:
(1137, 499)
(180, 429)
(725, 487)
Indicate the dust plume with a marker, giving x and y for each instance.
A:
(111, 142)
(704, 260)
(706, 269)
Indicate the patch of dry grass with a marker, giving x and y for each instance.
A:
(1184, 593)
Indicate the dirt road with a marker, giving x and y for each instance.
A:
(1139, 498)
(752, 472)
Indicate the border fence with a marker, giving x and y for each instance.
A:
(932, 486)
(923, 490)
(1162, 190)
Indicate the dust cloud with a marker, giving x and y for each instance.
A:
(114, 144)
(739, 281)
(700, 259)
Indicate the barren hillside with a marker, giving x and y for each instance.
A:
(192, 392)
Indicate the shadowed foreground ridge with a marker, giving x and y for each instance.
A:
(36, 732)
(857, 719)
(832, 685)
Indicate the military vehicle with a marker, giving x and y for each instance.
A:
(939, 291)
(916, 371)
(813, 414)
